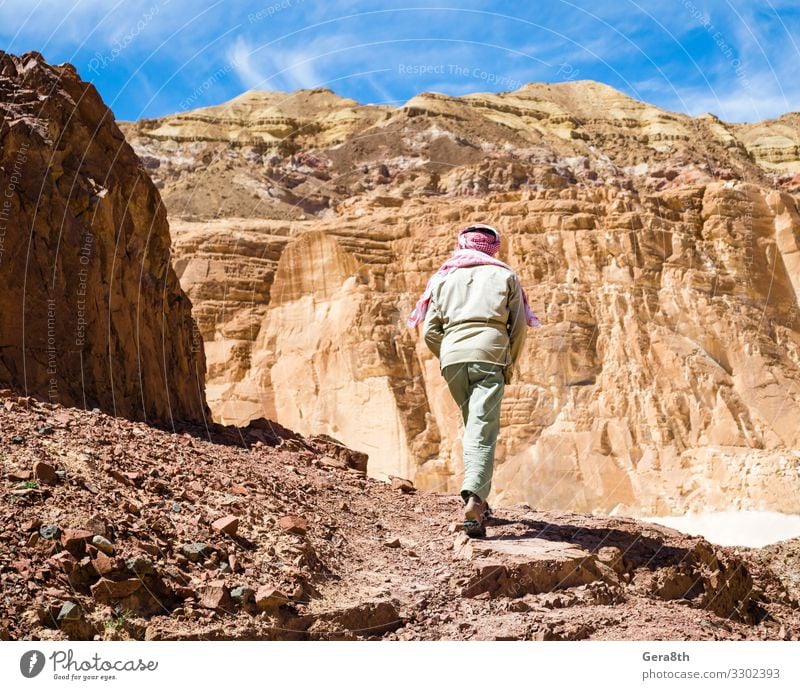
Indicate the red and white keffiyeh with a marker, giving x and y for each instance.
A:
(474, 249)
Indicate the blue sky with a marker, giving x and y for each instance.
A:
(735, 58)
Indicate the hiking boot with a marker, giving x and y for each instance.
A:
(475, 513)
(475, 508)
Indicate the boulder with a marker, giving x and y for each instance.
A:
(403, 485)
(516, 567)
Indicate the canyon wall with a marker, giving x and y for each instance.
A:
(659, 250)
(92, 311)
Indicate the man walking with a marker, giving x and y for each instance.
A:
(475, 321)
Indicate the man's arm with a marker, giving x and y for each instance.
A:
(517, 324)
(432, 328)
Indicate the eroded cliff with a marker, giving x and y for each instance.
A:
(92, 311)
(659, 250)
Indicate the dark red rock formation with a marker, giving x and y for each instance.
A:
(91, 310)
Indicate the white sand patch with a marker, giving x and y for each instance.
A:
(752, 528)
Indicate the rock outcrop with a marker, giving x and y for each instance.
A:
(92, 309)
(660, 251)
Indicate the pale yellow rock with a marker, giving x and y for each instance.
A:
(665, 372)
(271, 117)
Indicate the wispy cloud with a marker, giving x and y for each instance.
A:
(287, 68)
(249, 73)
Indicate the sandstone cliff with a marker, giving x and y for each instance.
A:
(660, 251)
(92, 310)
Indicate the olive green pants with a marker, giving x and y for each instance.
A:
(477, 388)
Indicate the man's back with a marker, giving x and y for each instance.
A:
(477, 315)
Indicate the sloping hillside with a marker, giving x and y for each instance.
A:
(114, 529)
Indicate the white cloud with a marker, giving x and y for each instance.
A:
(297, 67)
(240, 56)
(739, 105)
(274, 66)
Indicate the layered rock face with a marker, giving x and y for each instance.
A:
(277, 155)
(664, 376)
(92, 309)
(660, 252)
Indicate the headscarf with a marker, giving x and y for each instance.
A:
(474, 249)
(477, 237)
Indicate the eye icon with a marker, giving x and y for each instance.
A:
(31, 663)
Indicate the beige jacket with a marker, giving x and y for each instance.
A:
(477, 315)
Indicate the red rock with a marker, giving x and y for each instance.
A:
(293, 524)
(62, 418)
(146, 353)
(151, 549)
(269, 599)
(184, 592)
(328, 461)
(121, 477)
(403, 485)
(131, 507)
(63, 561)
(160, 486)
(105, 565)
(106, 591)
(215, 595)
(227, 525)
(32, 525)
(74, 540)
(97, 525)
(44, 472)
(377, 617)
(22, 565)
(186, 497)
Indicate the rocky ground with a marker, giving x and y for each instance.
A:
(114, 529)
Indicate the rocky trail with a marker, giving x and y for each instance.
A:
(113, 529)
